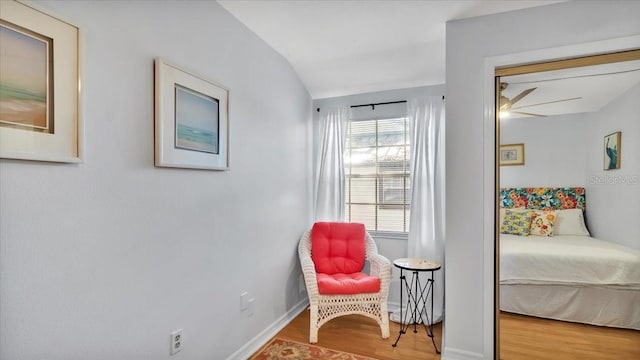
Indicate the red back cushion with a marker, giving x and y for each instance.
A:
(338, 247)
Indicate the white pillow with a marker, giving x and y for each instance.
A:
(570, 222)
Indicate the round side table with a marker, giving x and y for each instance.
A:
(417, 295)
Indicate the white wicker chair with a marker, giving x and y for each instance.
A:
(327, 307)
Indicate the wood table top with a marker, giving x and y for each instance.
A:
(417, 264)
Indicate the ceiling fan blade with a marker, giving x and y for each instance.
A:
(504, 103)
(528, 114)
(521, 95)
(548, 102)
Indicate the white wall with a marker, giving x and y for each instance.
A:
(104, 259)
(613, 196)
(571, 154)
(391, 248)
(470, 183)
(554, 149)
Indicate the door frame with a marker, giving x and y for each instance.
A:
(544, 59)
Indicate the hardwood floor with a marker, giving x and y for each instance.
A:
(360, 335)
(530, 338)
(522, 338)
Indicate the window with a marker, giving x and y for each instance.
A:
(377, 174)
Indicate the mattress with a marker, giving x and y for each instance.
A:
(570, 278)
(568, 260)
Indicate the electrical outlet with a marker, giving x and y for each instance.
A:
(251, 306)
(243, 301)
(176, 341)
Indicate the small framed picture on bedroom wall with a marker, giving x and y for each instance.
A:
(511, 154)
(612, 150)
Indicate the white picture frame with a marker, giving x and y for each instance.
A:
(59, 138)
(191, 120)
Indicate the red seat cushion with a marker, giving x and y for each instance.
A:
(338, 247)
(345, 284)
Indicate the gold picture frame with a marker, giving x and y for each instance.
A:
(612, 151)
(40, 86)
(511, 154)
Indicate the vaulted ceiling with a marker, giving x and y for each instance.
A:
(350, 47)
(347, 47)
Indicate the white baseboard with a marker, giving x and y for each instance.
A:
(265, 335)
(259, 340)
(456, 354)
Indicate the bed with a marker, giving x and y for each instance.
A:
(564, 274)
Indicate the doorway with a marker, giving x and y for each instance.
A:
(534, 92)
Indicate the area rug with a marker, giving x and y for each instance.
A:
(279, 349)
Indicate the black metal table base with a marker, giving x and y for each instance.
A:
(418, 294)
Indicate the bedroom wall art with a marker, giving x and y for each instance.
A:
(511, 154)
(612, 150)
(39, 86)
(191, 120)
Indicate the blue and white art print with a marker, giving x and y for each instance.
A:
(191, 120)
(197, 121)
(612, 151)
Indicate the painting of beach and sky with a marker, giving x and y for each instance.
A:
(25, 78)
(197, 121)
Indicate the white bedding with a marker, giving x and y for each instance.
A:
(568, 260)
(593, 304)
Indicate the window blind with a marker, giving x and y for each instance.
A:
(377, 178)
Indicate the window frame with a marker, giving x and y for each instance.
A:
(377, 176)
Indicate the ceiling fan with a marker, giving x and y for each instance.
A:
(506, 104)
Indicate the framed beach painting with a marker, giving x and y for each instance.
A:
(191, 120)
(612, 151)
(39, 86)
(511, 154)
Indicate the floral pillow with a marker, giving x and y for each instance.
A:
(516, 222)
(542, 223)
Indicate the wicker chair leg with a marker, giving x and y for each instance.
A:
(313, 324)
(384, 316)
(384, 326)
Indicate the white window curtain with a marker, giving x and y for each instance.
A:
(426, 229)
(330, 191)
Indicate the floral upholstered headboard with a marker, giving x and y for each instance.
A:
(543, 198)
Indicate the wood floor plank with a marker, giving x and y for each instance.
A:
(522, 338)
(531, 338)
(360, 335)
